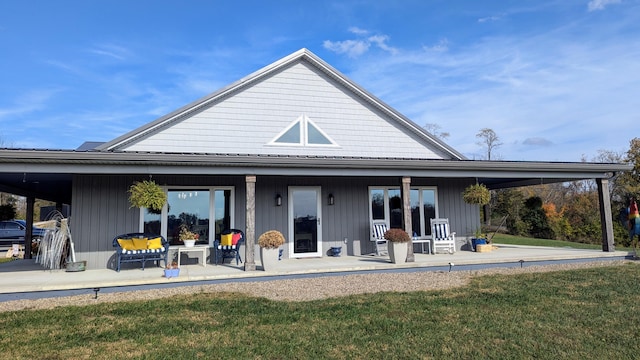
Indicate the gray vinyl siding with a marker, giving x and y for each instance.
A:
(245, 122)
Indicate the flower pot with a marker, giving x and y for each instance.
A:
(169, 273)
(398, 252)
(477, 241)
(336, 250)
(189, 243)
(269, 258)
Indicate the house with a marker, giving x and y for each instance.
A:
(296, 147)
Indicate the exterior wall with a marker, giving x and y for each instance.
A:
(101, 210)
(259, 113)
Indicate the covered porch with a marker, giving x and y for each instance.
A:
(25, 276)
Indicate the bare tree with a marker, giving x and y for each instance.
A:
(489, 140)
(435, 130)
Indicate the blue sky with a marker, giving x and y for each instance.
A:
(556, 80)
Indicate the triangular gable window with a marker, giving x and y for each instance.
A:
(303, 132)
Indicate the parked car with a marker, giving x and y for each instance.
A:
(13, 231)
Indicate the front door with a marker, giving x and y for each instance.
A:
(305, 229)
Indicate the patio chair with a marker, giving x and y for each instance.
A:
(229, 245)
(443, 238)
(378, 228)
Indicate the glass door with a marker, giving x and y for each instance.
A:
(305, 229)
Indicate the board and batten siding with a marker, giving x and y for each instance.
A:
(246, 121)
(101, 210)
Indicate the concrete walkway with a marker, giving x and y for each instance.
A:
(22, 276)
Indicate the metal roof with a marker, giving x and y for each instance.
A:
(47, 174)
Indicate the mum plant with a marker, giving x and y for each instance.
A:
(186, 234)
(397, 235)
(271, 239)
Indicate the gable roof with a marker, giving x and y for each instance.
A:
(369, 115)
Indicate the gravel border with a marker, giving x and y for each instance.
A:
(308, 288)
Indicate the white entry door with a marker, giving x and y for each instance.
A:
(305, 227)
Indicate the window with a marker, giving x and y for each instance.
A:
(303, 131)
(386, 204)
(194, 208)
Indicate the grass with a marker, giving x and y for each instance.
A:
(576, 314)
(519, 240)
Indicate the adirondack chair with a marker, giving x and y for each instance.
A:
(443, 238)
(378, 228)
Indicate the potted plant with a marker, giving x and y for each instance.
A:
(269, 243)
(477, 194)
(478, 239)
(398, 245)
(172, 270)
(147, 194)
(188, 237)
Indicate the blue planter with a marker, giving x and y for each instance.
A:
(475, 242)
(169, 273)
(336, 250)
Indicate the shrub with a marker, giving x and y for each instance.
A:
(7, 212)
(397, 235)
(271, 239)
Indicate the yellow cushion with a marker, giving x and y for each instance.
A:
(155, 243)
(126, 244)
(226, 239)
(139, 243)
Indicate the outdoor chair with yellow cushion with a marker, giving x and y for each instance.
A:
(229, 245)
(134, 247)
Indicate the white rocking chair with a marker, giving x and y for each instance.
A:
(443, 238)
(378, 228)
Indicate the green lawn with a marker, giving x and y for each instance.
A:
(578, 314)
(518, 240)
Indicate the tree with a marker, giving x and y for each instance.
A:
(489, 140)
(435, 130)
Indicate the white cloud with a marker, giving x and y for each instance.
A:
(356, 47)
(353, 48)
(595, 5)
(358, 31)
(549, 96)
(111, 51)
(489, 19)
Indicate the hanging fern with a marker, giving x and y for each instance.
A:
(476, 194)
(147, 194)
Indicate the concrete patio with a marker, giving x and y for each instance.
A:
(22, 276)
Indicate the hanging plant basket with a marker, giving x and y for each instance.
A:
(147, 194)
(477, 194)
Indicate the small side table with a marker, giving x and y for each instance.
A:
(201, 248)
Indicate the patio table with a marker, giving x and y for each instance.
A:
(199, 248)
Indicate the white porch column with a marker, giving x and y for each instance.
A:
(605, 215)
(250, 226)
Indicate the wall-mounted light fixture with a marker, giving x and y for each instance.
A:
(332, 200)
(278, 200)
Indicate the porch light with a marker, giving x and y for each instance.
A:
(278, 200)
(331, 199)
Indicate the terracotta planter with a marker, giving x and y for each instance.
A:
(269, 258)
(398, 252)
